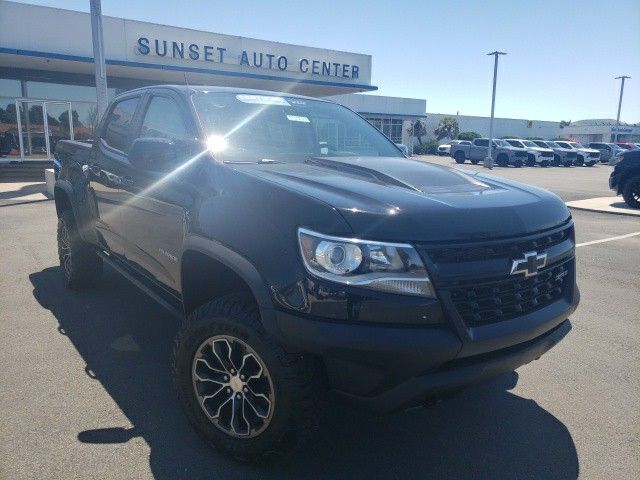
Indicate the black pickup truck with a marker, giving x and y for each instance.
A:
(303, 252)
(625, 177)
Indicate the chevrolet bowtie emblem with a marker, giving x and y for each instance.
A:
(530, 264)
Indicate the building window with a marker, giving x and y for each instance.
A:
(392, 128)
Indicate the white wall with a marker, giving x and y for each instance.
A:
(381, 104)
(519, 128)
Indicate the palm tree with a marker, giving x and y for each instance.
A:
(447, 128)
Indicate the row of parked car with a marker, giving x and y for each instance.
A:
(518, 152)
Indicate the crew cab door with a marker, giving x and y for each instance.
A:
(107, 167)
(158, 200)
(479, 149)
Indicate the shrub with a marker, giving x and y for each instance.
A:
(430, 147)
(468, 136)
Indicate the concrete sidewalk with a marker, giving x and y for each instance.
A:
(15, 193)
(613, 205)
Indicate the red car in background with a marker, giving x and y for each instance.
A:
(627, 146)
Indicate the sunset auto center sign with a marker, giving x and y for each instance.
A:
(268, 60)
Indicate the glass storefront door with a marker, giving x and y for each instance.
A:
(41, 123)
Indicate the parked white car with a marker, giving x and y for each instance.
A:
(444, 149)
(404, 148)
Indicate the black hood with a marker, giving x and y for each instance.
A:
(400, 199)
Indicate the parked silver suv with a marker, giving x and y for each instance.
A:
(607, 150)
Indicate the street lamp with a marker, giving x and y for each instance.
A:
(488, 162)
(98, 57)
(615, 137)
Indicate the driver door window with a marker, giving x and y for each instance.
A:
(163, 119)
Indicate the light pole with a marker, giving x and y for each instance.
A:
(623, 77)
(488, 162)
(98, 57)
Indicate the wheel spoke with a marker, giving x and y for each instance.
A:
(206, 373)
(250, 367)
(222, 350)
(215, 402)
(259, 403)
(239, 423)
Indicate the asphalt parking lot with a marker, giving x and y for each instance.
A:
(85, 389)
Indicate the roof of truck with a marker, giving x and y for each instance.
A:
(187, 89)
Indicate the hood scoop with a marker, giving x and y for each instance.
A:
(359, 170)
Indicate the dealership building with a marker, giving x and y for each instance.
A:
(47, 88)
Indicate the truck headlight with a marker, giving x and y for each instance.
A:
(386, 267)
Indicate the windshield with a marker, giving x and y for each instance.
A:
(553, 145)
(501, 143)
(515, 143)
(565, 145)
(529, 143)
(259, 128)
(576, 145)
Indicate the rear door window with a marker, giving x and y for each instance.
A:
(481, 142)
(117, 130)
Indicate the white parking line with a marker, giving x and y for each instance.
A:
(619, 237)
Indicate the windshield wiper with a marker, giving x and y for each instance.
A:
(248, 162)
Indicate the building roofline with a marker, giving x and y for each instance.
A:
(183, 28)
(404, 115)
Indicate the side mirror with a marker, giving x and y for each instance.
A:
(153, 154)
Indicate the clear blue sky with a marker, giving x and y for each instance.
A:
(561, 63)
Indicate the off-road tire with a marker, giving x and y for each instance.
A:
(590, 163)
(545, 163)
(557, 161)
(518, 163)
(502, 160)
(531, 161)
(579, 162)
(475, 161)
(459, 157)
(631, 192)
(298, 385)
(81, 266)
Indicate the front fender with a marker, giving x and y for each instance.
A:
(241, 266)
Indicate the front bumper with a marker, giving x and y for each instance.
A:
(457, 374)
(386, 368)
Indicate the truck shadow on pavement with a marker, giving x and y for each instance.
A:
(125, 340)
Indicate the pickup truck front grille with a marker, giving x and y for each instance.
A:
(546, 154)
(512, 249)
(594, 154)
(475, 280)
(521, 154)
(572, 154)
(480, 304)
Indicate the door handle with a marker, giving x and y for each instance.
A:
(91, 171)
(127, 180)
